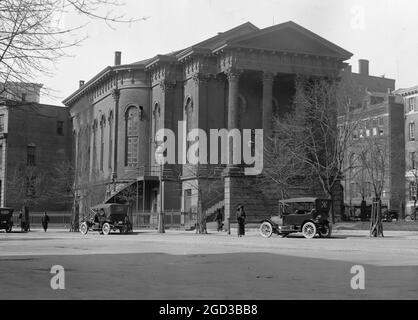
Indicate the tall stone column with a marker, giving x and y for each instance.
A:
(233, 114)
(116, 96)
(268, 79)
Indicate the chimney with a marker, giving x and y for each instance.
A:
(81, 83)
(118, 56)
(363, 67)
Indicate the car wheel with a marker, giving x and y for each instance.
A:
(325, 231)
(106, 228)
(266, 229)
(9, 228)
(84, 228)
(309, 230)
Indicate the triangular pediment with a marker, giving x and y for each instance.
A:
(290, 37)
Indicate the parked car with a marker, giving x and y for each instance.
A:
(6, 222)
(390, 215)
(106, 218)
(306, 215)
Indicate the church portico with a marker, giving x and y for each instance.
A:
(238, 79)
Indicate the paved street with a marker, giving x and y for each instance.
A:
(182, 265)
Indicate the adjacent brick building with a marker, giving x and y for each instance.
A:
(410, 101)
(34, 139)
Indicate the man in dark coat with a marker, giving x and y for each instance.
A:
(241, 220)
(45, 221)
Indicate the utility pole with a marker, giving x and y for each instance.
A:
(161, 228)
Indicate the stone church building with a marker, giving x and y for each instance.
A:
(236, 79)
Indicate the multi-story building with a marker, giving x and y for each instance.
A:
(379, 126)
(410, 100)
(236, 79)
(34, 139)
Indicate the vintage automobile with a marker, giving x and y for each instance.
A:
(306, 215)
(6, 222)
(107, 217)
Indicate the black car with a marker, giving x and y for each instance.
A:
(106, 218)
(6, 222)
(306, 215)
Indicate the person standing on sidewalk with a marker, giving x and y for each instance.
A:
(241, 220)
(45, 221)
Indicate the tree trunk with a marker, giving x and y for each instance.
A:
(376, 225)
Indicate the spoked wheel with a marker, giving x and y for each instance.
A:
(266, 229)
(9, 228)
(325, 231)
(84, 228)
(106, 228)
(309, 230)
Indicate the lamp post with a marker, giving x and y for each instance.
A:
(160, 156)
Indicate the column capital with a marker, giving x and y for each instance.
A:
(268, 76)
(233, 74)
(201, 78)
(116, 94)
(166, 85)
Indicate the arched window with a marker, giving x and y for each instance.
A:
(102, 125)
(132, 139)
(110, 119)
(188, 114)
(155, 119)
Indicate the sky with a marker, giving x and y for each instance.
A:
(381, 31)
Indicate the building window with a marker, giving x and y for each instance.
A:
(412, 191)
(411, 104)
(412, 131)
(132, 139)
(1, 123)
(374, 122)
(31, 156)
(187, 200)
(380, 121)
(102, 124)
(412, 160)
(60, 128)
(110, 140)
(189, 116)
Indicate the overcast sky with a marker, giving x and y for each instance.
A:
(382, 31)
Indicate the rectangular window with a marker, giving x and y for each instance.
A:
(1, 156)
(412, 131)
(374, 122)
(31, 156)
(1, 123)
(411, 104)
(187, 200)
(375, 131)
(60, 128)
(30, 186)
(412, 191)
(381, 121)
(132, 151)
(412, 160)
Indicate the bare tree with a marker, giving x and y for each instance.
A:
(314, 137)
(207, 184)
(33, 37)
(28, 186)
(412, 172)
(373, 157)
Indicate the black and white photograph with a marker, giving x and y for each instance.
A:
(208, 155)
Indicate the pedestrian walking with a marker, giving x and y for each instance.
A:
(241, 220)
(45, 221)
(219, 219)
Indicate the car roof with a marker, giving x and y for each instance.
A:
(295, 200)
(108, 205)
